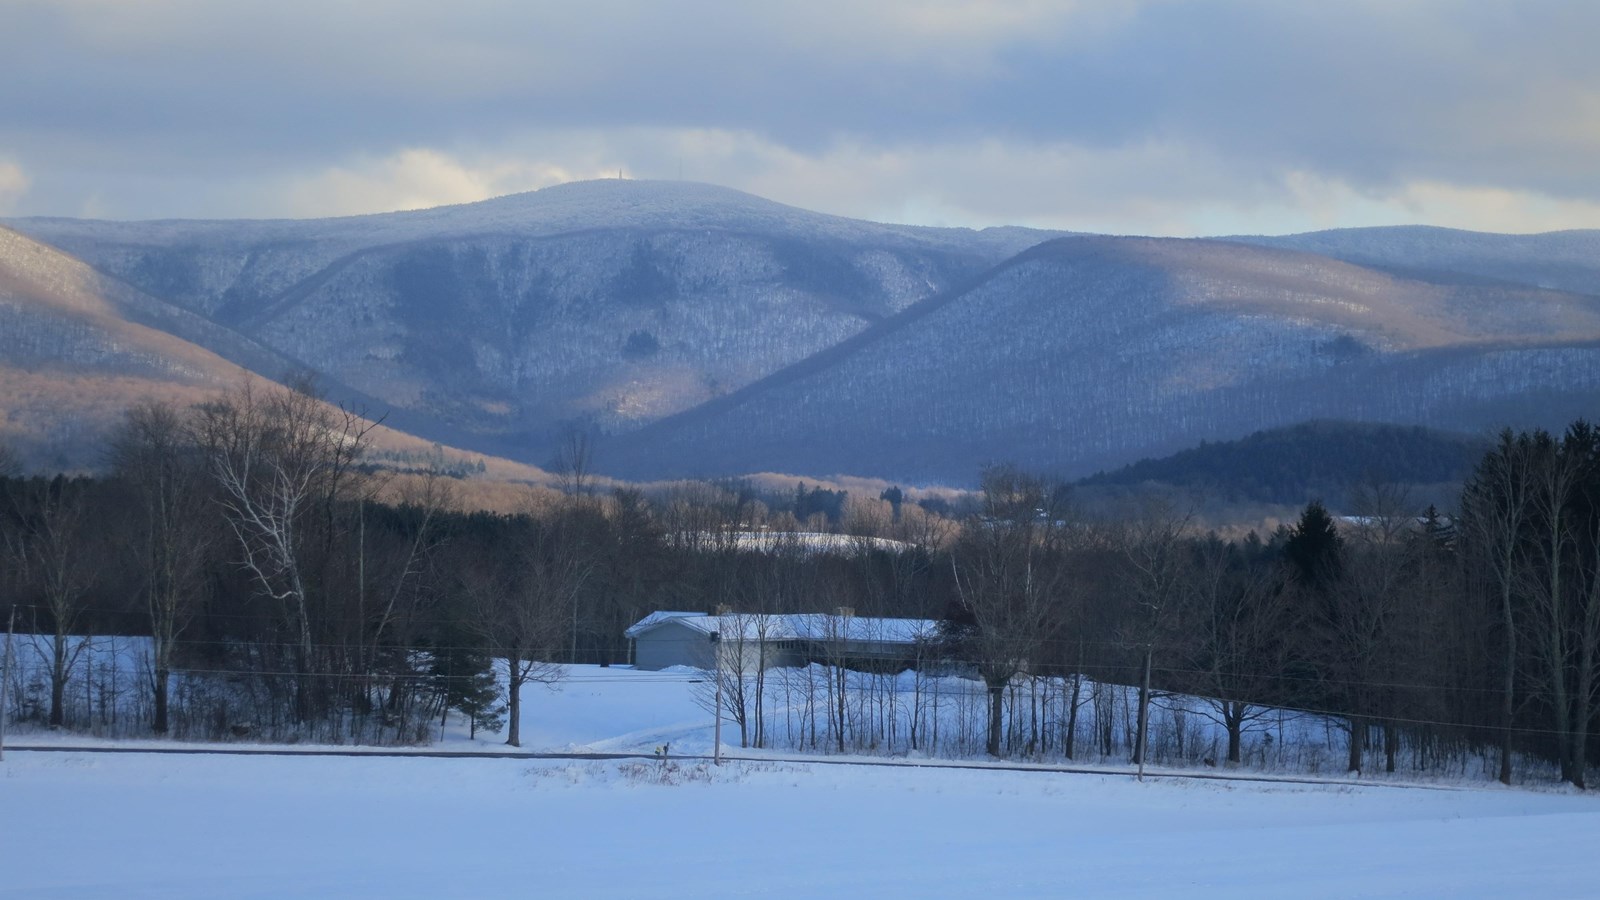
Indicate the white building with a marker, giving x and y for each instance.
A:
(769, 640)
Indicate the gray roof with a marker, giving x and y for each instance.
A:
(795, 626)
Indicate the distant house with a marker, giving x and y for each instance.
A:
(771, 640)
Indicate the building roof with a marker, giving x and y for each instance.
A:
(795, 627)
(804, 543)
(656, 618)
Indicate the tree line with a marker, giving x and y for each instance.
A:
(250, 539)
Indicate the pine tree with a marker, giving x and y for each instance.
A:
(1313, 548)
(467, 678)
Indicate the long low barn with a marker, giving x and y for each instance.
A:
(769, 640)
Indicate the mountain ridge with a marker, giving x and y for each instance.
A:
(700, 330)
(455, 314)
(1338, 340)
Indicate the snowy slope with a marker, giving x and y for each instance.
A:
(1562, 260)
(609, 302)
(140, 825)
(205, 264)
(196, 827)
(1084, 353)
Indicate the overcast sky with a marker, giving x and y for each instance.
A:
(1114, 115)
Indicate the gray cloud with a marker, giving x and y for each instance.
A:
(1190, 112)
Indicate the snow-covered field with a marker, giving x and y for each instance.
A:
(87, 825)
(619, 709)
(79, 824)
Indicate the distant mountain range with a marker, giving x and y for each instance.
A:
(696, 330)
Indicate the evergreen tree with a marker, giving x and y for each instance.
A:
(466, 676)
(1313, 548)
(895, 496)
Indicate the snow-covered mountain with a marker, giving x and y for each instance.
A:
(608, 303)
(700, 330)
(1087, 353)
(78, 348)
(1559, 260)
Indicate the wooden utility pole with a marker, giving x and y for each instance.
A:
(5, 678)
(1144, 712)
(716, 662)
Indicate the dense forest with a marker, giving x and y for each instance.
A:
(1318, 459)
(251, 541)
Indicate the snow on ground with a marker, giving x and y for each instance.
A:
(620, 709)
(77, 824)
(144, 825)
(613, 709)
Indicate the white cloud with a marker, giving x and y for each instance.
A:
(1162, 188)
(1149, 187)
(1305, 201)
(1492, 208)
(13, 184)
(414, 178)
(1159, 188)
(1164, 116)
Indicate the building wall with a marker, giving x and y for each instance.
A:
(776, 656)
(863, 655)
(671, 644)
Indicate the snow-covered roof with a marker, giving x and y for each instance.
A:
(656, 618)
(795, 626)
(801, 542)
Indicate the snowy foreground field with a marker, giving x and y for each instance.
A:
(87, 825)
(79, 824)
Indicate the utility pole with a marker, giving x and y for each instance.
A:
(5, 679)
(444, 714)
(1144, 711)
(361, 562)
(716, 660)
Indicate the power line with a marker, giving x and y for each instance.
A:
(564, 656)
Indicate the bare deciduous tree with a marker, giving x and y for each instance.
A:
(1157, 570)
(281, 457)
(422, 502)
(575, 462)
(1558, 474)
(736, 671)
(1583, 443)
(519, 596)
(46, 544)
(155, 453)
(1008, 587)
(1494, 525)
(1237, 637)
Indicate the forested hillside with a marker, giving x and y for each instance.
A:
(1307, 461)
(1085, 352)
(602, 305)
